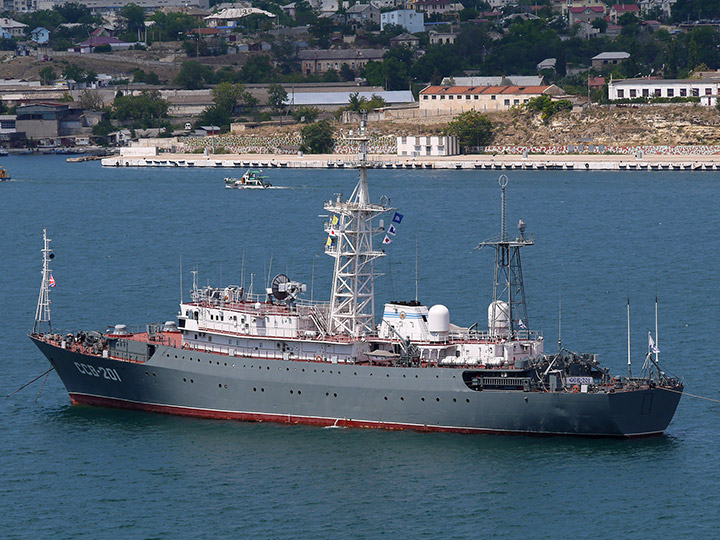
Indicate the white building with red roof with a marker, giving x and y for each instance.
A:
(457, 99)
(618, 10)
(585, 14)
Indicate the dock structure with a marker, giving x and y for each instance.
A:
(598, 162)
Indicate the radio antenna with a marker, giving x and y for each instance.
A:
(560, 318)
(416, 271)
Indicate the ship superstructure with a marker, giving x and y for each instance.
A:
(278, 357)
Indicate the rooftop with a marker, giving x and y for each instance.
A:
(341, 54)
(452, 90)
(612, 56)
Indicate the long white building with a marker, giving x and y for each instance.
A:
(706, 89)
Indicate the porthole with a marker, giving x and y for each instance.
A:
(184, 379)
(327, 394)
(299, 392)
(467, 401)
(437, 399)
(146, 373)
(262, 389)
(416, 376)
(404, 375)
(153, 374)
(191, 381)
(291, 391)
(303, 370)
(402, 398)
(385, 398)
(454, 400)
(220, 385)
(254, 389)
(422, 399)
(334, 394)
(387, 374)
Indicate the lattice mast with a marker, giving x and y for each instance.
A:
(42, 313)
(508, 284)
(350, 243)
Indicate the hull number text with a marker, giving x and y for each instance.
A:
(105, 373)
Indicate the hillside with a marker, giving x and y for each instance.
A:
(645, 125)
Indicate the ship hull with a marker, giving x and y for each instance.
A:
(202, 384)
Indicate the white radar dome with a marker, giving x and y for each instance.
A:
(498, 317)
(438, 322)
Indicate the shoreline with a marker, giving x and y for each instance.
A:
(592, 162)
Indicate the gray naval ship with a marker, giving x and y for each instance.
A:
(276, 357)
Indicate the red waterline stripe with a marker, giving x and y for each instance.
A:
(86, 399)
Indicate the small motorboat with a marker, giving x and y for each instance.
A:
(4, 175)
(252, 179)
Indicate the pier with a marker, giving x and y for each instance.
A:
(576, 162)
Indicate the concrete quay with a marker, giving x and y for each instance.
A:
(594, 162)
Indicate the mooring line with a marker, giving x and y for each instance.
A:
(43, 386)
(692, 395)
(28, 384)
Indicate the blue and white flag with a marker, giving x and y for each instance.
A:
(397, 218)
(522, 324)
(651, 344)
(392, 230)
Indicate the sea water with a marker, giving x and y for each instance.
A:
(126, 241)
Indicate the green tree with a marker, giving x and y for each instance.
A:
(347, 73)
(103, 128)
(134, 18)
(91, 100)
(146, 109)
(276, 97)
(47, 75)
(214, 115)
(306, 115)
(317, 138)
(547, 107)
(257, 69)
(227, 96)
(72, 12)
(320, 31)
(193, 75)
(600, 24)
(471, 128)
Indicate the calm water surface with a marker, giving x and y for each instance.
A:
(119, 235)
